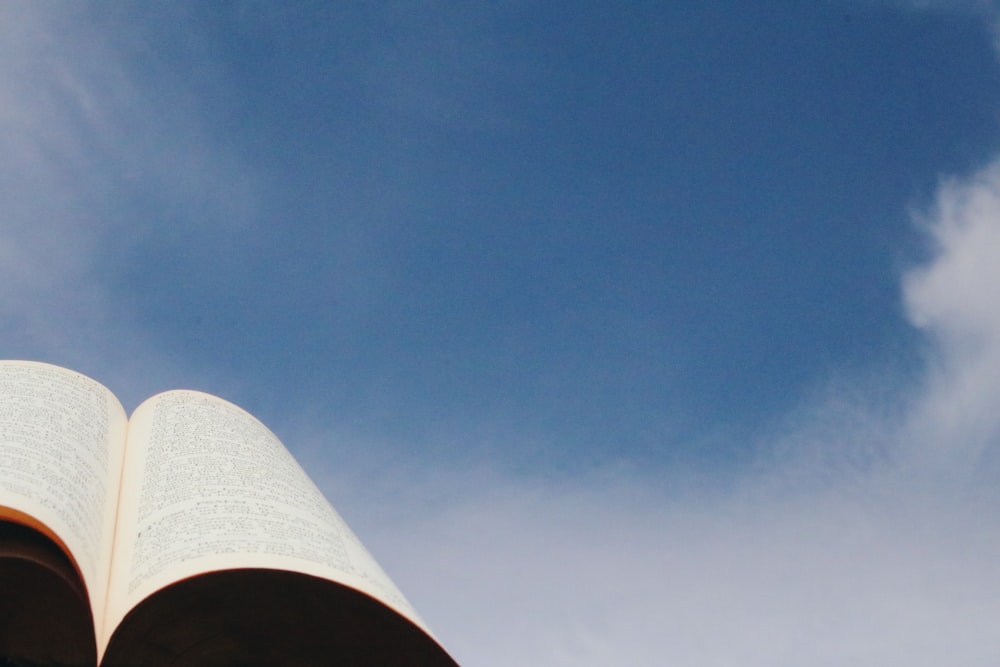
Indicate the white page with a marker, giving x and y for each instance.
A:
(208, 487)
(61, 447)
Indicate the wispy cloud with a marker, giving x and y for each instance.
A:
(982, 7)
(867, 536)
(593, 575)
(986, 11)
(94, 158)
(47, 244)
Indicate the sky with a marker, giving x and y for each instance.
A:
(645, 333)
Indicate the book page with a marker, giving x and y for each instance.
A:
(62, 437)
(208, 487)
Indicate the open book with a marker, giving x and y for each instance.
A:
(186, 535)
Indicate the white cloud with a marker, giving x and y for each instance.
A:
(870, 537)
(598, 573)
(953, 299)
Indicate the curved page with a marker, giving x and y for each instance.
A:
(207, 488)
(61, 448)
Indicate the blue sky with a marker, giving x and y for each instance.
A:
(648, 334)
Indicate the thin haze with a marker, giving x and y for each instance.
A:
(622, 336)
